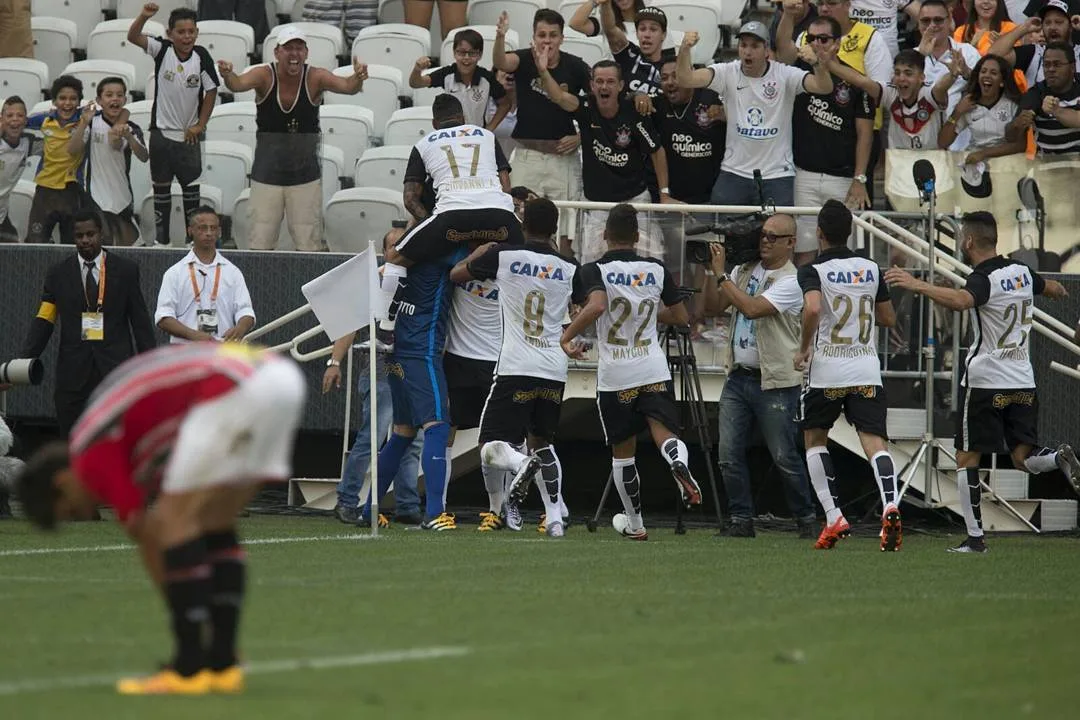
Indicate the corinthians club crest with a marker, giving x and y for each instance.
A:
(701, 116)
(768, 90)
(622, 136)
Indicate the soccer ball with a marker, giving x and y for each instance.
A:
(621, 523)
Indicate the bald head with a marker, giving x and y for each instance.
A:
(777, 244)
(780, 224)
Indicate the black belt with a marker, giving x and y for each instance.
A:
(744, 370)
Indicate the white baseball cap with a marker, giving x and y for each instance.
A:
(290, 33)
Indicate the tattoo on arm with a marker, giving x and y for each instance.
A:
(412, 193)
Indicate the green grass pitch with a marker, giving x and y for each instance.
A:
(468, 625)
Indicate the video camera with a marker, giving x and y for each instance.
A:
(740, 234)
(26, 371)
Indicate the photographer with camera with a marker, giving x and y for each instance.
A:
(762, 387)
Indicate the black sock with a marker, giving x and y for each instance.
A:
(191, 195)
(187, 587)
(228, 570)
(162, 213)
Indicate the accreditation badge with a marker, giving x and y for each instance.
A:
(93, 326)
(207, 321)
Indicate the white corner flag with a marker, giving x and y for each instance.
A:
(345, 298)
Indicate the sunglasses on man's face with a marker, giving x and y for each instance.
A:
(819, 38)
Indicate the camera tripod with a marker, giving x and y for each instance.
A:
(682, 362)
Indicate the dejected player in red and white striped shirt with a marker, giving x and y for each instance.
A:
(195, 428)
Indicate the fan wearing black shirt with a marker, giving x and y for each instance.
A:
(832, 136)
(615, 140)
(1051, 106)
(546, 156)
(691, 128)
(640, 64)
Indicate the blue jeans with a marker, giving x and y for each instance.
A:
(406, 495)
(731, 189)
(742, 402)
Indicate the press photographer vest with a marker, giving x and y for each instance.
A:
(778, 337)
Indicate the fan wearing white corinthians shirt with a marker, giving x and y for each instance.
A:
(535, 285)
(471, 178)
(1000, 408)
(16, 147)
(844, 303)
(759, 95)
(625, 294)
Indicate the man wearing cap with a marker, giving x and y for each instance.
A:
(286, 176)
(759, 96)
(1055, 21)
(640, 64)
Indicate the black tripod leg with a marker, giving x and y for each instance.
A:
(591, 524)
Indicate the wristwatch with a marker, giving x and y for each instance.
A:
(860, 178)
(333, 363)
(721, 278)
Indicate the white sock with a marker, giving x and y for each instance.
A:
(500, 454)
(673, 450)
(549, 482)
(628, 486)
(970, 492)
(885, 474)
(822, 475)
(1041, 460)
(493, 482)
(392, 275)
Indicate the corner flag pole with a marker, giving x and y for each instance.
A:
(373, 464)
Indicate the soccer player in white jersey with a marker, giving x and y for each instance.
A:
(626, 294)
(472, 196)
(1000, 409)
(535, 284)
(845, 300)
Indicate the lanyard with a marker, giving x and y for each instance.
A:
(101, 284)
(195, 285)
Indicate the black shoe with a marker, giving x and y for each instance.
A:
(971, 545)
(408, 518)
(347, 515)
(808, 529)
(740, 528)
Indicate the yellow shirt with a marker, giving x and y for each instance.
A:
(58, 167)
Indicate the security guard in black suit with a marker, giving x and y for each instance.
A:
(103, 318)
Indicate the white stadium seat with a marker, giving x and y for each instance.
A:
(22, 197)
(241, 225)
(227, 165)
(40, 106)
(228, 40)
(700, 15)
(446, 55)
(91, 72)
(590, 49)
(234, 122)
(407, 126)
(140, 115)
(132, 8)
(53, 40)
(521, 12)
(380, 95)
(108, 41)
(24, 77)
(348, 128)
(383, 167)
(355, 216)
(84, 13)
(397, 45)
(332, 160)
(393, 12)
(209, 195)
(325, 43)
(423, 97)
(139, 175)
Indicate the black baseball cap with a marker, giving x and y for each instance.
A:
(652, 13)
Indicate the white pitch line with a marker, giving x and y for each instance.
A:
(267, 667)
(128, 546)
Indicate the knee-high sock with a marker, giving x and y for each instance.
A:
(187, 590)
(494, 480)
(387, 467)
(1041, 460)
(162, 213)
(389, 290)
(436, 464)
(885, 474)
(970, 492)
(674, 450)
(502, 455)
(822, 476)
(191, 196)
(227, 583)
(549, 481)
(627, 484)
